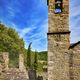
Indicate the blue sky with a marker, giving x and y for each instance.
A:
(30, 19)
(75, 20)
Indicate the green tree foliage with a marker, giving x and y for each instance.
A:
(12, 43)
(35, 61)
(29, 56)
(42, 61)
(42, 55)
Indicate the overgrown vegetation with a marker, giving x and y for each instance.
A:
(38, 60)
(12, 43)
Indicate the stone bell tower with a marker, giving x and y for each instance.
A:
(58, 39)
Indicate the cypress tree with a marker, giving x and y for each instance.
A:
(35, 61)
(29, 56)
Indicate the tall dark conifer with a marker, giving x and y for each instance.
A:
(35, 61)
(29, 56)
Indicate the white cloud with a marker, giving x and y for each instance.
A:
(39, 39)
(25, 31)
(75, 20)
(11, 11)
(43, 2)
(42, 30)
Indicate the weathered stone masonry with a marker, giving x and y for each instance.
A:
(63, 58)
(7, 73)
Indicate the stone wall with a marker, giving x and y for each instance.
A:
(6, 59)
(58, 22)
(63, 61)
(21, 62)
(20, 73)
(1, 64)
(15, 74)
(7, 73)
(58, 57)
(58, 62)
(75, 63)
(58, 42)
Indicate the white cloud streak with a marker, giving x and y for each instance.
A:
(25, 31)
(75, 20)
(39, 39)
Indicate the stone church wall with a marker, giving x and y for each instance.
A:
(58, 62)
(75, 63)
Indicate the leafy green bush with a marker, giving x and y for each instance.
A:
(12, 43)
